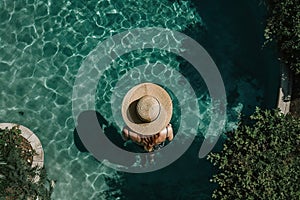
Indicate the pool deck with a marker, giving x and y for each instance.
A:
(285, 90)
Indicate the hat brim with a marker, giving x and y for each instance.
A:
(129, 105)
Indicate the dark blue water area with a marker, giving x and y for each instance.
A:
(234, 37)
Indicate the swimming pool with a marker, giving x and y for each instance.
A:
(43, 44)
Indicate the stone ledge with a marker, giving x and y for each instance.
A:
(285, 90)
(38, 160)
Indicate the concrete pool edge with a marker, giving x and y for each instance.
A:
(285, 90)
(38, 159)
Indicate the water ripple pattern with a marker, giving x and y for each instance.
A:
(42, 44)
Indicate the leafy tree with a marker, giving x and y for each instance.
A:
(1, 163)
(260, 160)
(17, 177)
(283, 26)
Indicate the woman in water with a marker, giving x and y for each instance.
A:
(151, 142)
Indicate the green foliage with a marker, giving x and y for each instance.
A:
(1, 163)
(283, 26)
(16, 175)
(260, 161)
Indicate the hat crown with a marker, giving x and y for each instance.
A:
(157, 114)
(148, 108)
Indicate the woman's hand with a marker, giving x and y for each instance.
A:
(125, 134)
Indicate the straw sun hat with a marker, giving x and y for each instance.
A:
(147, 108)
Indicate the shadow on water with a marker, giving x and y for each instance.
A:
(110, 131)
(186, 178)
(115, 136)
(179, 179)
(79, 145)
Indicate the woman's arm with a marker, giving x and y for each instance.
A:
(166, 133)
(129, 134)
(170, 132)
(135, 137)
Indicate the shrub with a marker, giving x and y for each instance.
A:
(16, 174)
(283, 26)
(260, 160)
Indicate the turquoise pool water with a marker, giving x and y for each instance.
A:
(43, 43)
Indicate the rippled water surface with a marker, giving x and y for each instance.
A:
(43, 44)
